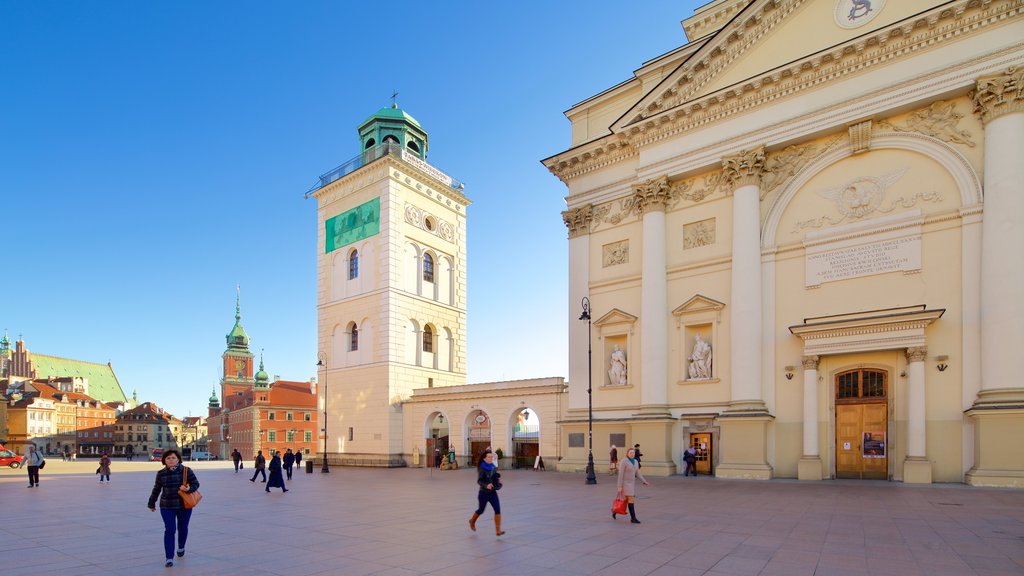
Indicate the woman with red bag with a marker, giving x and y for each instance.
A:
(172, 509)
(629, 473)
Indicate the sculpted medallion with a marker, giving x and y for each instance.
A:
(856, 13)
(862, 195)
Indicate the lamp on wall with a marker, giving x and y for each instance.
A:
(789, 372)
(941, 362)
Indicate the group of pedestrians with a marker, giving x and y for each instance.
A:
(279, 466)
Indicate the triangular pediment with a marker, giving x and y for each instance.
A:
(615, 316)
(771, 38)
(698, 303)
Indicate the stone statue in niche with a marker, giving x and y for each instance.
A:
(700, 360)
(617, 371)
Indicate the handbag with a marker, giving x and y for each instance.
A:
(42, 464)
(188, 499)
(98, 469)
(619, 506)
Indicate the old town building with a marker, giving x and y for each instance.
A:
(97, 380)
(144, 428)
(796, 233)
(257, 414)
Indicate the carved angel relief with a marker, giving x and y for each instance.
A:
(938, 121)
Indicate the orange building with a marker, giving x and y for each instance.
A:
(257, 414)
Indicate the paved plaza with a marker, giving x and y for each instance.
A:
(413, 521)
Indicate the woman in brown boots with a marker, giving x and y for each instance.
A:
(490, 482)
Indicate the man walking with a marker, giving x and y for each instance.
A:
(261, 467)
(289, 461)
(236, 457)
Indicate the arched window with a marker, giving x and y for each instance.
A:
(412, 146)
(391, 138)
(428, 339)
(861, 386)
(353, 338)
(428, 268)
(353, 265)
(369, 144)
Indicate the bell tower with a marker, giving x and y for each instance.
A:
(395, 126)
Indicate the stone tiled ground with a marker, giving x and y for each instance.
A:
(413, 521)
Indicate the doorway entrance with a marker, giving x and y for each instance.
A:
(862, 424)
(701, 442)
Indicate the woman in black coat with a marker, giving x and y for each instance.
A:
(489, 481)
(276, 477)
(172, 509)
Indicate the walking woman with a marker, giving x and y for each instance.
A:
(276, 477)
(34, 461)
(490, 482)
(104, 467)
(172, 510)
(629, 473)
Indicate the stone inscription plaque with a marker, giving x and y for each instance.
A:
(896, 254)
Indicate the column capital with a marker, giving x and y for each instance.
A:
(578, 220)
(917, 354)
(999, 94)
(652, 195)
(744, 168)
(810, 362)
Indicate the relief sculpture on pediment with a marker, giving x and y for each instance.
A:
(939, 120)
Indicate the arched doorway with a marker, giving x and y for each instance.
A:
(862, 424)
(479, 437)
(438, 439)
(525, 427)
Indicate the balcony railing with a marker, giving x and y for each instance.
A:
(377, 152)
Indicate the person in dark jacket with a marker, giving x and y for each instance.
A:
(260, 463)
(489, 481)
(236, 457)
(276, 477)
(289, 461)
(172, 510)
(104, 469)
(298, 457)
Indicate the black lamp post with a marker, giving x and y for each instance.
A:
(321, 364)
(591, 477)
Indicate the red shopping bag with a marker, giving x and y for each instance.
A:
(619, 506)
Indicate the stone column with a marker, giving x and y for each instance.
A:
(809, 467)
(916, 468)
(650, 200)
(578, 221)
(998, 412)
(744, 444)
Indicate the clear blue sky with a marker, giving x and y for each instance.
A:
(155, 154)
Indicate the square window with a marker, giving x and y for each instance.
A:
(576, 440)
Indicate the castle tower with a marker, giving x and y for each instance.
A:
(237, 361)
(391, 263)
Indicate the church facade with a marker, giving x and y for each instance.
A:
(796, 235)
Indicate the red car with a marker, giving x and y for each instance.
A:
(8, 458)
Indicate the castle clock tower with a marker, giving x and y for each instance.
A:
(237, 362)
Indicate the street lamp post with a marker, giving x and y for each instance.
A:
(321, 364)
(591, 477)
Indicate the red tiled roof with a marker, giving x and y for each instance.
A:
(287, 393)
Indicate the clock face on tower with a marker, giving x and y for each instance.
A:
(240, 367)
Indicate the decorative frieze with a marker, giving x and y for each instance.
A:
(999, 94)
(615, 253)
(697, 234)
(424, 220)
(917, 354)
(744, 168)
(939, 120)
(578, 220)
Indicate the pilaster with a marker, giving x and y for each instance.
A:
(809, 467)
(650, 199)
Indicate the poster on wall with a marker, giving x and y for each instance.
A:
(352, 225)
(874, 445)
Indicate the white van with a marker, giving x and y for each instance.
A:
(201, 455)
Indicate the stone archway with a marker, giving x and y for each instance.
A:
(524, 444)
(478, 435)
(437, 433)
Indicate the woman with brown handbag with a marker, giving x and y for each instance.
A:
(173, 511)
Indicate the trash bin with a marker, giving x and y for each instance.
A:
(309, 466)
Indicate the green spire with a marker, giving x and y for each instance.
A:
(5, 345)
(237, 338)
(262, 379)
(214, 403)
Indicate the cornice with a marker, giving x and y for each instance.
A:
(399, 171)
(956, 20)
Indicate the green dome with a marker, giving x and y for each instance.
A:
(262, 379)
(391, 113)
(214, 403)
(237, 338)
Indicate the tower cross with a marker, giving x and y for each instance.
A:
(394, 99)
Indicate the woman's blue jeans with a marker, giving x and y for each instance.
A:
(171, 516)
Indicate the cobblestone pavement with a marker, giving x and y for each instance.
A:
(413, 521)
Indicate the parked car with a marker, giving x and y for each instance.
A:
(201, 455)
(8, 458)
(156, 454)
